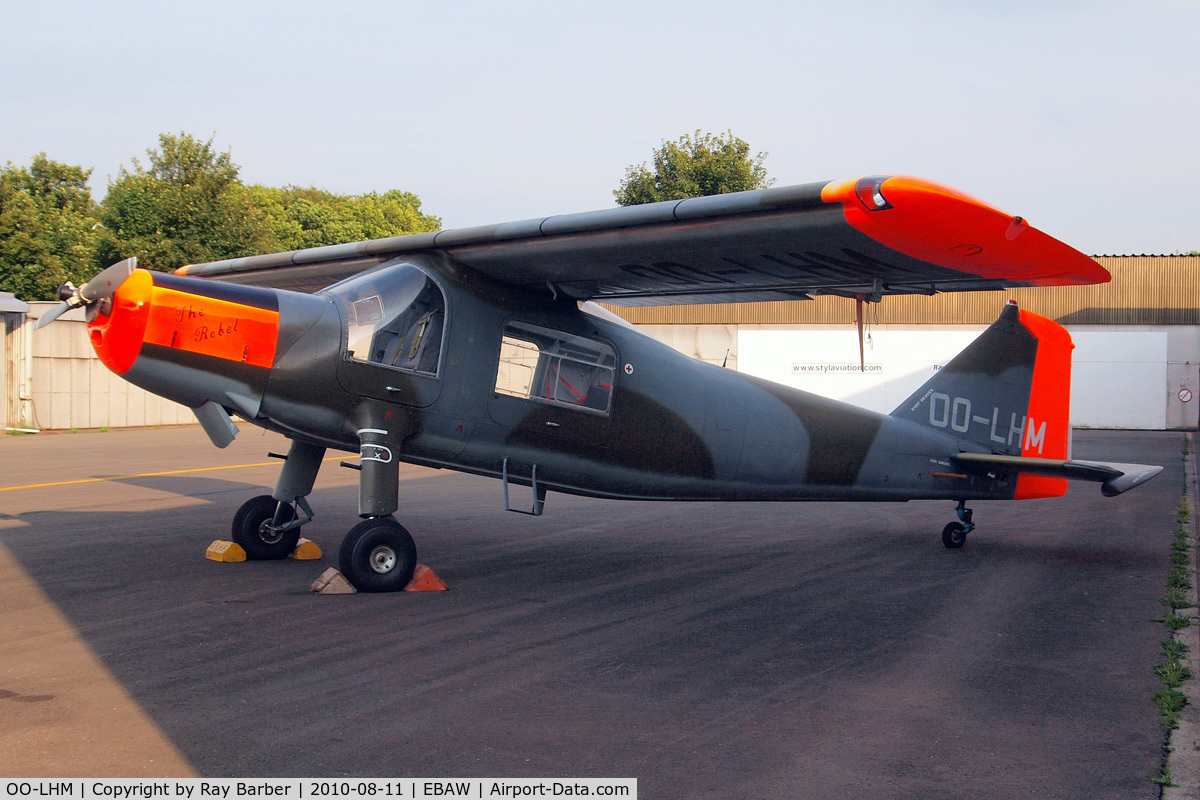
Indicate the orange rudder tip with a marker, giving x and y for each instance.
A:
(1048, 423)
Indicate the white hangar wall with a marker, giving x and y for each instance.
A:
(1122, 376)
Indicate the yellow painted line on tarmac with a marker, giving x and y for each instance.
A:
(152, 474)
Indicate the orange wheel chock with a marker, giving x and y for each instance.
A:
(424, 580)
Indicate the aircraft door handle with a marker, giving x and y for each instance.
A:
(553, 425)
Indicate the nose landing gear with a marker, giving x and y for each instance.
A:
(954, 535)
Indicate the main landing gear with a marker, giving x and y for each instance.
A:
(954, 535)
(377, 555)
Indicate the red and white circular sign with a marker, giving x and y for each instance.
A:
(1185, 395)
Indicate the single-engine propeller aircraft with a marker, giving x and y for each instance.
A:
(481, 350)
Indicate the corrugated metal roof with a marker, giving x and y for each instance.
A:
(1145, 290)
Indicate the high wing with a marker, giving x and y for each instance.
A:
(858, 238)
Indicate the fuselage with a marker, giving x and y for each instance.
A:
(450, 369)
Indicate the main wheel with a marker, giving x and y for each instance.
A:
(954, 535)
(251, 532)
(378, 555)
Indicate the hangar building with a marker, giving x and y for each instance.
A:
(1136, 360)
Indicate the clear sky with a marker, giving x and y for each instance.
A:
(1080, 116)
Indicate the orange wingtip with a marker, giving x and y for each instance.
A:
(943, 226)
(182, 270)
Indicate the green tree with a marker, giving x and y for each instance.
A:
(300, 218)
(694, 166)
(185, 207)
(48, 227)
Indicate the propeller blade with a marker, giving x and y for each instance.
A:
(53, 314)
(106, 283)
(97, 290)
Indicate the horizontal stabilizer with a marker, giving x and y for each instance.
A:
(1114, 478)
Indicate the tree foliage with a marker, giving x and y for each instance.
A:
(185, 205)
(48, 224)
(299, 218)
(694, 165)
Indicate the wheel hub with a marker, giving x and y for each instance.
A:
(383, 559)
(269, 533)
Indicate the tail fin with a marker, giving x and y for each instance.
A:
(1009, 393)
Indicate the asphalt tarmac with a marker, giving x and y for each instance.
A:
(709, 650)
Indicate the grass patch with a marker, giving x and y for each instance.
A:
(1174, 649)
(1163, 778)
(1175, 622)
(1170, 702)
(1173, 672)
(1175, 599)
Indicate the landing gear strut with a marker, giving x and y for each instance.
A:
(954, 535)
(377, 555)
(268, 526)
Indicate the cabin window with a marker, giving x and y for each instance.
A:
(395, 316)
(557, 368)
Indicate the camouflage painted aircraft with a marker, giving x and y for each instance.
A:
(481, 350)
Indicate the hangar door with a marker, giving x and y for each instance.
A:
(1119, 378)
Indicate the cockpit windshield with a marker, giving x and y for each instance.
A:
(395, 314)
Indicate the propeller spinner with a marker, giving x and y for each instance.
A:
(93, 294)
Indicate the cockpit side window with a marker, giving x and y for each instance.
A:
(395, 317)
(556, 368)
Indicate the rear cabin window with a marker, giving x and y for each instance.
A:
(557, 368)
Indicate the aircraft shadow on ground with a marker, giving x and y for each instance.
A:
(603, 635)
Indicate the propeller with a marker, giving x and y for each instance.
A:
(96, 294)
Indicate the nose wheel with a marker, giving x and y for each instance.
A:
(954, 535)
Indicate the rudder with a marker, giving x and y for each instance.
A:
(1008, 392)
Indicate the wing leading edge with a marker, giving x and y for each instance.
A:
(869, 237)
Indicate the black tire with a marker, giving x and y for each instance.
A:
(954, 535)
(249, 530)
(378, 555)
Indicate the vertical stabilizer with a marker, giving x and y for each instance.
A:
(1008, 393)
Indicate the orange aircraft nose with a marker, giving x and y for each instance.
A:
(117, 335)
(186, 315)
